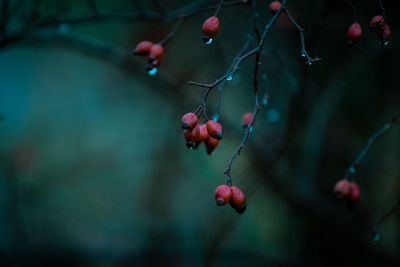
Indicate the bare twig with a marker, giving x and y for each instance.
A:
(221, 3)
(350, 173)
(353, 9)
(173, 31)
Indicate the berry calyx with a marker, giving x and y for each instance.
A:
(211, 144)
(222, 195)
(210, 27)
(246, 119)
(201, 133)
(274, 6)
(143, 48)
(342, 189)
(238, 200)
(214, 129)
(354, 33)
(189, 121)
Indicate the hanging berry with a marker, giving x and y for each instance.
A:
(201, 133)
(156, 53)
(190, 138)
(354, 33)
(143, 48)
(238, 200)
(354, 197)
(376, 22)
(214, 129)
(246, 119)
(211, 144)
(189, 121)
(274, 7)
(222, 195)
(342, 189)
(210, 28)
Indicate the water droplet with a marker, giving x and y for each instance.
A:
(273, 116)
(303, 54)
(209, 41)
(386, 43)
(309, 63)
(191, 148)
(352, 170)
(152, 71)
(265, 102)
(229, 78)
(215, 117)
(63, 28)
(376, 237)
(251, 129)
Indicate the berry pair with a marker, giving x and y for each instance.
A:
(194, 133)
(153, 52)
(348, 191)
(232, 195)
(381, 28)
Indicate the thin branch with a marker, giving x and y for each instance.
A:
(219, 8)
(304, 53)
(375, 136)
(353, 9)
(173, 31)
(383, 10)
(385, 216)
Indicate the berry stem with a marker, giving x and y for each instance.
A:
(219, 8)
(354, 10)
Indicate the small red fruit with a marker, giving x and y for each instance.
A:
(214, 129)
(211, 144)
(189, 121)
(222, 195)
(156, 52)
(354, 197)
(342, 189)
(246, 119)
(386, 33)
(238, 200)
(201, 133)
(190, 138)
(377, 22)
(354, 33)
(274, 7)
(210, 27)
(143, 48)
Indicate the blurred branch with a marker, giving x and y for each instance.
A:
(350, 173)
(4, 19)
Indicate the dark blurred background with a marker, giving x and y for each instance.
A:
(93, 166)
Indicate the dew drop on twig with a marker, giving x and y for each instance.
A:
(152, 71)
(229, 78)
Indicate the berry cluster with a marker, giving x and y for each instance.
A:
(153, 52)
(210, 133)
(230, 194)
(381, 28)
(348, 191)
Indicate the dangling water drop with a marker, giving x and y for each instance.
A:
(152, 71)
(251, 129)
(215, 117)
(309, 63)
(303, 54)
(265, 102)
(376, 237)
(386, 43)
(229, 78)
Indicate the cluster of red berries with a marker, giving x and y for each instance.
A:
(210, 133)
(380, 27)
(153, 52)
(230, 194)
(377, 25)
(347, 191)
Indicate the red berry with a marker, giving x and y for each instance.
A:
(189, 121)
(156, 52)
(143, 48)
(201, 133)
(386, 33)
(246, 119)
(214, 129)
(190, 138)
(354, 197)
(211, 144)
(210, 27)
(376, 22)
(342, 189)
(354, 33)
(238, 200)
(222, 195)
(274, 7)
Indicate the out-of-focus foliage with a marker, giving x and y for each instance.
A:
(93, 166)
